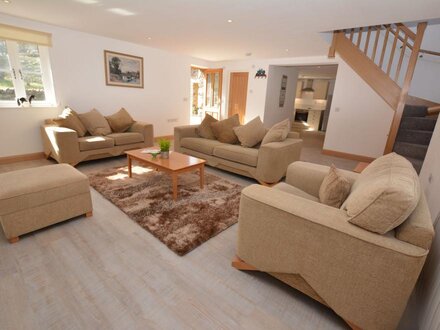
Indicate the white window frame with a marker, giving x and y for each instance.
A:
(18, 82)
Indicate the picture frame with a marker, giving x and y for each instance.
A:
(123, 70)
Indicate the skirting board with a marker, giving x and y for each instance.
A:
(347, 156)
(22, 158)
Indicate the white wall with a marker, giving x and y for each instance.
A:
(359, 119)
(257, 87)
(273, 113)
(78, 72)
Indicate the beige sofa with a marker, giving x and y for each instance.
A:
(267, 163)
(64, 145)
(363, 276)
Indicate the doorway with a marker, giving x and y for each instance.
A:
(238, 85)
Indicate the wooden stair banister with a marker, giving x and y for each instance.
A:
(433, 110)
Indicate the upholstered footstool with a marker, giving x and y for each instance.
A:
(38, 197)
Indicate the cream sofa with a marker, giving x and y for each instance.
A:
(64, 145)
(267, 163)
(363, 276)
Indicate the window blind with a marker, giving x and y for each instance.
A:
(10, 32)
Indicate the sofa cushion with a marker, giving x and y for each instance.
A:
(238, 154)
(384, 195)
(95, 123)
(277, 132)
(69, 119)
(28, 188)
(126, 138)
(202, 145)
(204, 130)
(120, 121)
(334, 188)
(224, 129)
(250, 134)
(294, 191)
(95, 142)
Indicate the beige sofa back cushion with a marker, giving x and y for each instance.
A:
(204, 130)
(250, 134)
(224, 130)
(95, 122)
(70, 119)
(120, 121)
(278, 132)
(384, 195)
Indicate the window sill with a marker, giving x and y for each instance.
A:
(34, 106)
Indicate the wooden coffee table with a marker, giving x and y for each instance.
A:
(177, 163)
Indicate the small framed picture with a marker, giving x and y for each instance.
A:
(123, 70)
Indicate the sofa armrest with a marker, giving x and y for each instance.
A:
(275, 157)
(60, 143)
(181, 132)
(279, 232)
(294, 135)
(309, 176)
(146, 130)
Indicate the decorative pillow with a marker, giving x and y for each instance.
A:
(95, 123)
(224, 129)
(69, 119)
(384, 195)
(120, 121)
(204, 130)
(250, 134)
(334, 188)
(278, 132)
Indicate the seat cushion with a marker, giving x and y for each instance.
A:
(95, 123)
(36, 186)
(95, 142)
(205, 146)
(204, 129)
(126, 138)
(250, 134)
(384, 195)
(238, 154)
(294, 191)
(70, 119)
(224, 129)
(120, 121)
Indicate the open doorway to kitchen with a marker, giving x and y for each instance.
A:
(206, 91)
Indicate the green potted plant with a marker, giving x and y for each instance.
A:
(164, 145)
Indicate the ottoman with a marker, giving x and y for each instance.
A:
(38, 197)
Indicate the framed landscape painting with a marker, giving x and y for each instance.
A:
(123, 70)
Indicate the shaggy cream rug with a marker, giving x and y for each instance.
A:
(182, 225)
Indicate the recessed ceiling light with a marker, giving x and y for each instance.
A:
(121, 11)
(149, 38)
(229, 20)
(7, 1)
(287, 50)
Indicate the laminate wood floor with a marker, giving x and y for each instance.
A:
(106, 272)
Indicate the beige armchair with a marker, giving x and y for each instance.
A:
(365, 277)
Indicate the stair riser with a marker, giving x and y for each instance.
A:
(414, 151)
(417, 137)
(418, 123)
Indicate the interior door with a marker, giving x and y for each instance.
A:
(238, 94)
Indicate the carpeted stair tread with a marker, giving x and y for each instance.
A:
(417, 163)
(411, 150)
(415, 111)
(414, 136)
(418, 123)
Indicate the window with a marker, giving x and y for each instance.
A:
(25, 71)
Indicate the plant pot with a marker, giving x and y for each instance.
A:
(165, 154)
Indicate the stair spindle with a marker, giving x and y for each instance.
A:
(367, 42)
(375, 42)
(384, 47)
(359, 37)
(393, 50)
(351, 35)
(402, 53)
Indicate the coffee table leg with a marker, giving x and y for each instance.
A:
(202, 176)
(129, 166)
(174, 177)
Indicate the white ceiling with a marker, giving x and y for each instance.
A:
(199, 28)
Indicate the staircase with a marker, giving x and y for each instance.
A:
(414, 134)
(385, 57)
